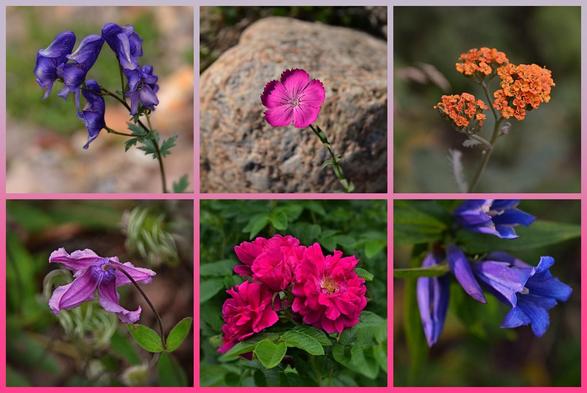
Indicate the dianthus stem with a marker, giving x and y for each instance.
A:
(488, 152)
(149, 132)
(346, 184)
(160, 322)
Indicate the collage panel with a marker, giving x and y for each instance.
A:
(99, 293)
(293, 99)
(99, 99)
(487, 293)
(293, 293)
(489, 104)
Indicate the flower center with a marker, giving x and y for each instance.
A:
(328, 285)
(294, 102)
(103, 271)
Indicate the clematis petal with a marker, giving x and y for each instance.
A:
(80, 290)
(139, 274)
(461, 268)
(109, 300)
(77, 260)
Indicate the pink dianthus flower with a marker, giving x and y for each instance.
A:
(250, 310)
(294, 99)
(328, 294)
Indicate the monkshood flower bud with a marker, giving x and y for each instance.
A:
(74, 72)
(93, 113)
(461, 268)
(293, 99)
(433, 296)
(142, 88)
(93, 274)
(530, 291)
(125, 43)
(493, 217)
(50, 58)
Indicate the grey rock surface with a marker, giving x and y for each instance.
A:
(240, 152)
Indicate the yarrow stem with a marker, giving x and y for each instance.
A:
(483, 165)
(144, 295)
(488, 96)
(346, 184)
(149, 132)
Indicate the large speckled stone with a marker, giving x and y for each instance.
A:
(240, 152)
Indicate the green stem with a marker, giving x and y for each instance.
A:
(488, 152)
(149, 132)
(112, 131)
(144, 295)
(346, 184)
(121, 80)
(486, 91)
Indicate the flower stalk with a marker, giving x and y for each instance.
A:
(334, 161)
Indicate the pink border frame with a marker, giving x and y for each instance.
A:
(197, 196)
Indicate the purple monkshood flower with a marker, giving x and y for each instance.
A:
(50, 58)
(93, 113)
(75, 70)
(530, 291)
(92, 274)
(493, 217)
(125, 43)
(433, 295)
(459, 265)
(142, 88)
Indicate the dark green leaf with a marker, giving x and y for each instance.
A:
(136, 130)
(278, 220)
(269, 353)
(130, 143)
(181, 185)
(413, 329)
(167, 145)
(170, 371)
(307, 339)
(217, 269)
(209, 288)
(256, 224)
(123, 347)
(414, 272)
(147, 338)
(539, 234)
(178, 334)
(415, 222)
(374, 247)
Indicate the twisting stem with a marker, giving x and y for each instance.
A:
(112, 131)
(132, 280)
(483, 165)
(149, 132)
(347, 185)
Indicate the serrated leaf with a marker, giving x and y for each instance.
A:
(136, 129)
(269, 353)
(167, 145)
(306, 338)
(538, 234)
(130, 143)
(244, 347)
(256, 224)
(414, 272)
(364, 274)
(147, 338)
(178, 334)
(181, 185)
(217, 269)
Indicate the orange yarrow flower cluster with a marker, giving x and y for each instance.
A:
(462, 109)
(481, 62)
(523, 87)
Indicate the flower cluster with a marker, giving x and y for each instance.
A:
(529, 291)
(92, 274)
(523, 87)
(58, 62)
(480, 62)
(323, 291)
(463, 109)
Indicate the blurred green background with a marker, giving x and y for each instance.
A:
(541, 153)
(94, 349)
(473, 350)
(221, 27)
(357, 228)
(49, 130)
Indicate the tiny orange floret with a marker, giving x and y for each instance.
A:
(463, 109)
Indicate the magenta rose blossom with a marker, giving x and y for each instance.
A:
(294, 99)
(328, 294)
(250, 310)
(270, 261)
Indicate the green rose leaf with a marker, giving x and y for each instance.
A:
(269, 353)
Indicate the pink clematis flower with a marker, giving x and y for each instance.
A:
(294, 99)
(93, 274)
(250, 310)
(270, 261)
(328, 294)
